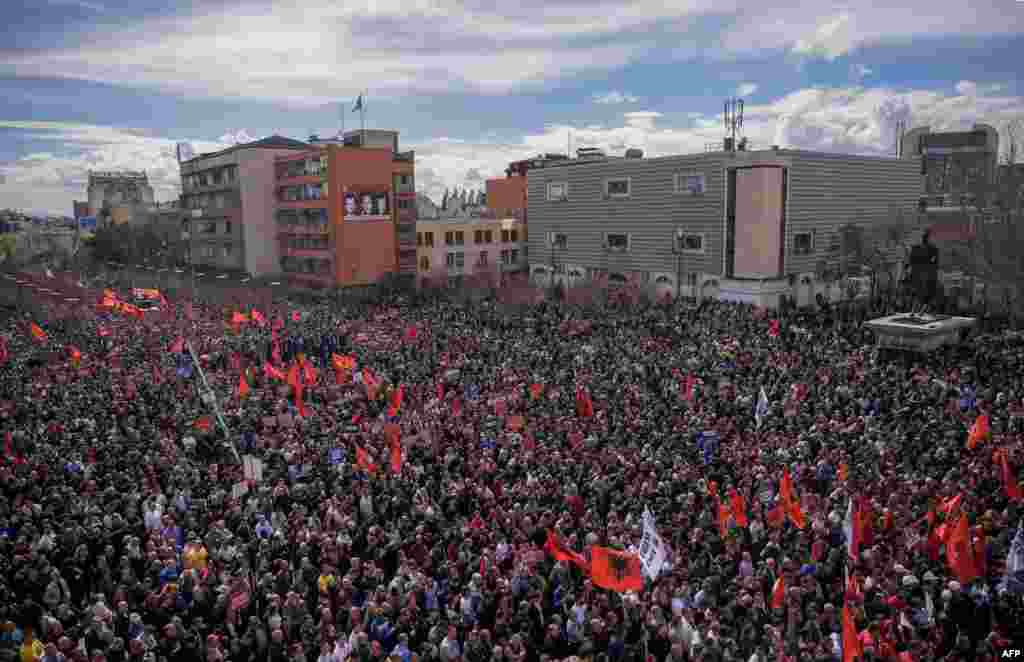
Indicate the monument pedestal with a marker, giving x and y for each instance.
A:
(920, 333)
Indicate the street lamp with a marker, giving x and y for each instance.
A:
(677, 248)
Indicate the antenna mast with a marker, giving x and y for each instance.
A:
(733, 120)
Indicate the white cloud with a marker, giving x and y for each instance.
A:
(401, 48)
(746, 89)
(613, 97)
(236, 137)
(853, 120)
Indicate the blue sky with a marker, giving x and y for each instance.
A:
(109, 84)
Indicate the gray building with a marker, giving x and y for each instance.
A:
(954, 164)
(115, 197)
(745, 226)
(229, 197)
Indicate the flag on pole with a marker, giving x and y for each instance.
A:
(37, 332)
(761, 410)
(852, 531)
(1013, 579)
(359, 104)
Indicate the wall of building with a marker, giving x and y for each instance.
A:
(650, 215)
(258, 181)
(506, 194)
(760, 197)
(368, 252)
(501, 256)
(829, 191)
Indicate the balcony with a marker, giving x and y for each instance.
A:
(406, 157)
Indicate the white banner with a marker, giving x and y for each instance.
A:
(652, 552)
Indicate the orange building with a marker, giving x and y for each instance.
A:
(346, 211)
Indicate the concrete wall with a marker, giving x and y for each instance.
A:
(258, 184)
(507, 194)
(368, 252)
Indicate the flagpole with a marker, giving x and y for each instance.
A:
(213, 400)
(362, 120)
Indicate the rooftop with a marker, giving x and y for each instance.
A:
(270, 142)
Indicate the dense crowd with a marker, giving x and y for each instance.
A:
(132, 532)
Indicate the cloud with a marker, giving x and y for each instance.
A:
(236, 138)
(746, 89)
(401, 48)
(846, 119)
(613, 97)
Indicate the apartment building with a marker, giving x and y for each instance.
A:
(229, 196)
(115, 197)
(345, 211)
(954, 164)
(734, 225)
(449, 250)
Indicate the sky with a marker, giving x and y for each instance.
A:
(115, 84)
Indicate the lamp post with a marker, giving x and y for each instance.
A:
(677, 249)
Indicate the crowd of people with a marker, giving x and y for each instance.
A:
(430, 481)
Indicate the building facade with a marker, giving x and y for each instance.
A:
(743, 226)
(229, 196)
(116, 196)
(345, 211)
(954, 164)
(489, 246)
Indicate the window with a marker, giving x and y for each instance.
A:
(227, 227)
(428, 238)
(691, 243)
(209, 227)
(617, 243)
(449, 259)
(478, 237)
(227, 250)
(514, 256)
(424, 263)
(514, 236)
(506, 257)
(488, 236)
(404, 179)
(558, 191)
(482, 260)
(558, 240)
(803, 243)
(459, 238)
(460, 260)
(208, 251)
(449, 238)
(231, 173)
(617, 188)
(505, 236)
(419, 238)
(404, 203)
(691, 280)
(690, 183)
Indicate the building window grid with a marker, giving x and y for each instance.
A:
(803, 243)
(557, 191)
(620, 187)
(482, 259)
(690, 183)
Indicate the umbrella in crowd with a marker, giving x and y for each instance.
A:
(429, 480)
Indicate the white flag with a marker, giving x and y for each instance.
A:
(652, 552)
(761, 411)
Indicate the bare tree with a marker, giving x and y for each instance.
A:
(1013, 133)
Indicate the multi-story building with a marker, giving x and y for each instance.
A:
(115, 197)
(954, 164)
(169, 221)
(229, 196)
(489, 246)
(345, 211)
(736, 225)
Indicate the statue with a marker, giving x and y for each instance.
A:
(924, 269)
